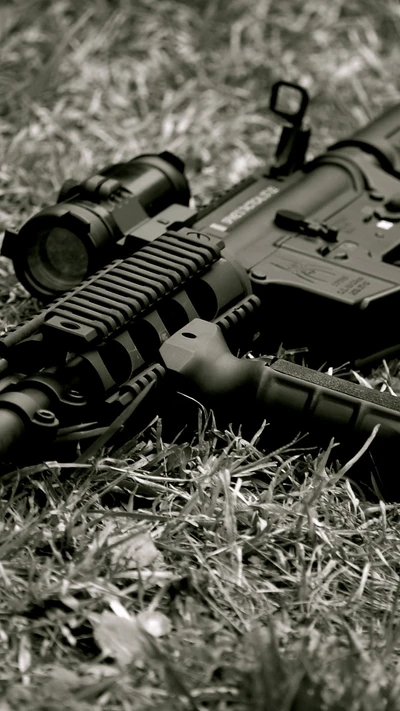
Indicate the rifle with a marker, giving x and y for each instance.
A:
(149, 300)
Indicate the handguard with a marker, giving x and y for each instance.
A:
(91, 348)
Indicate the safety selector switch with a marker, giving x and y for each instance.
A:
(390, 210)
(295, 222)
(393, 204)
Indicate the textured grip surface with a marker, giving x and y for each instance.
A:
(290, 398)
(320, 400)
(284, 393)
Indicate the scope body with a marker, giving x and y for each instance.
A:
(63, 244)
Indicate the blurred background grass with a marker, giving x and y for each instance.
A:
(87, 84)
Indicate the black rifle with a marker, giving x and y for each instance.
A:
(311, 260)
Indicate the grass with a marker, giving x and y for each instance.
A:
(211, 576)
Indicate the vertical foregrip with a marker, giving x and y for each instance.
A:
(321, 402)
(290, 397)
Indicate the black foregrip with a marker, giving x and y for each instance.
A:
(321, 401)
(292, 398)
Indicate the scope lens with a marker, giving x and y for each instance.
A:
(66, 253)
(58, 259)
(64, 243)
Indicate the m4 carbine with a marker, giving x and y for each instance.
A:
(304, 254)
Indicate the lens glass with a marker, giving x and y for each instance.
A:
(66, 253)
(57, 260)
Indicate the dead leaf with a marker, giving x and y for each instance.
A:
(119, 638)
(155, 623)
(137, 550)
(65, 676)
(124, 639)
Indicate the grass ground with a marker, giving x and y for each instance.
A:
(240, 586)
